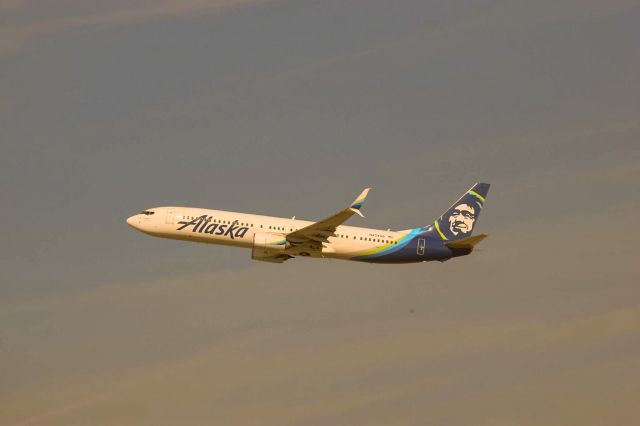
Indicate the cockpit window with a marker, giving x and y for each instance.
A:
(147, 212)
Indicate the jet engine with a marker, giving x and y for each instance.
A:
(269, 247)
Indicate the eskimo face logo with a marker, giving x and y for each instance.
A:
(461, 219)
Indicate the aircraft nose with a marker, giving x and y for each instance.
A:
(131, 221)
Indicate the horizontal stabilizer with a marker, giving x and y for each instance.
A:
(466, 243)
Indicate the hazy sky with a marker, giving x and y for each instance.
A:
(289, 108)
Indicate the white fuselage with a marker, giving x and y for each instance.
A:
(238, 229)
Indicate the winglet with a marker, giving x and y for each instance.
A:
(356, 211)
(359, 201)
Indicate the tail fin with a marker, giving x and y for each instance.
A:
(458, 222)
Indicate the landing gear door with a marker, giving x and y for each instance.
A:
(171, 214)
(421, 246)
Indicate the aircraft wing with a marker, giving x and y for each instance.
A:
(317, 233)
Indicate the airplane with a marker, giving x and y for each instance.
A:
(278, 239)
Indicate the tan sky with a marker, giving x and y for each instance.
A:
(510, 335)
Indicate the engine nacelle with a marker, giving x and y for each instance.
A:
(269, 247)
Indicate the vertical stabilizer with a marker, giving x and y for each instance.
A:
(462, 217)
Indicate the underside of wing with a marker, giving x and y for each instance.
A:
(277, 258)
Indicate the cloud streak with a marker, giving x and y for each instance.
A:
(21, 29)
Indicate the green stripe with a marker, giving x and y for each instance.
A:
(439, 231)
(480, 197)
